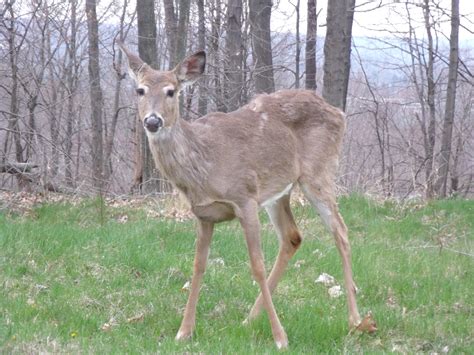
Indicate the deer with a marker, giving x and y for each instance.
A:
(230, 165)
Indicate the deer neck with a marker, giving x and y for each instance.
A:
(182, 157)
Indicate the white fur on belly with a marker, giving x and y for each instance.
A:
(276, 197)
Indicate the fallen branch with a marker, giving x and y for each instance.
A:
(17, 168)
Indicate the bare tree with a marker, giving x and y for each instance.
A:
(310, 49)
(176, 23)
(449, 113)
(431, 87)
(71, 82)
(379, 112)
(13, 128)
(216, 29)
(233, 47)
(337, 51)
(146, 25)
(183, 23)
(15, 33)
(95, 95)
(171, 25)
(298, 45)
(146, 176)
(203, 93)
(398, 119)
(110, 136)
(260, 15)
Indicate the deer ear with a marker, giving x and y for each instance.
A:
(134, 62)
(190, 69)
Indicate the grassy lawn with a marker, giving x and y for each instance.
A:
(100, 279)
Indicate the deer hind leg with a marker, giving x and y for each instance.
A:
(290, 240)
(322, 197)
(203, 242)
(249, 220)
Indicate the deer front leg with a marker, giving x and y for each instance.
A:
(203, 242)
(251, 225)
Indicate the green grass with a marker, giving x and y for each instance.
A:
(74, 279)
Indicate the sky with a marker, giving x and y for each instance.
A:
(371, 19)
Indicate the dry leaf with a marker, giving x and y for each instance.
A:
(218, 310)
(122, 219)
(335, 291)
(326, 279)
(217, 262)
(186, 287)
(136, 319)
(31, 302)
(41, 287)
(318, 253)
(106, 327)
(391, 300)
(298, 263)
(367, 324)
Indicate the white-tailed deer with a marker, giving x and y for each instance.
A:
(231, 164)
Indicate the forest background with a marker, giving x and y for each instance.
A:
(401, 70)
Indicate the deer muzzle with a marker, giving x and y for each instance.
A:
(153, 123)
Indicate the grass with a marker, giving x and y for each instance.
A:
(75, 279)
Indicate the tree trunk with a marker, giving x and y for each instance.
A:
(33, 94)
(176, 26)
(298, 46)
(233, 44)
(71, 80)
(147, 32)
(171, 28)
(183, 22)
(447, 135)
(216, 29)
(310, 54)
(260, 15)
(95, 95)
(431, 86)
(13, 127)
(202, 103)
(150, 177)
(54, 117)
(109, 139)
(337, 51)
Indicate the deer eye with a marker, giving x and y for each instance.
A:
(170, 92)
(140, 91)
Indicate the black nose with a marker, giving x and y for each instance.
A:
(152, 123)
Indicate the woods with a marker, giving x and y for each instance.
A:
(405, 84)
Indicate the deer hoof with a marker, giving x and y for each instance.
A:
(282, 341)
(183, 335)
(282, 344)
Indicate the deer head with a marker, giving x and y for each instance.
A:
(158, 91)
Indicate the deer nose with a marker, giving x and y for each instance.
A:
(152, 123)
